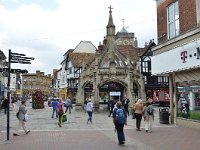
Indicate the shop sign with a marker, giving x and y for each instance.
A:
(186, 55)
(184, 89)
(115, 93)
(183, 57)
(195, 89)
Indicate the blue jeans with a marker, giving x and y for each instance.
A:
(55, 110)
(120, 132)
(90, 116)
(68, 107)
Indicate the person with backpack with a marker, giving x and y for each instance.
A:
(119, 120)
(148, 113)
(60, 112)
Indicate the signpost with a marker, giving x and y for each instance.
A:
(14, 58)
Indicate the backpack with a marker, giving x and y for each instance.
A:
(150, 110)
(120, 116)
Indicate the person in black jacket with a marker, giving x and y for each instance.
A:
(5, 105)
(111, 107)
(125, 103)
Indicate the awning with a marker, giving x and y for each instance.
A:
(189, 75)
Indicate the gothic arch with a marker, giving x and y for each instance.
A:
(112, 80)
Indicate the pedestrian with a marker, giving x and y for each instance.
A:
(55, 108)
(5, 105)
(89, 109)
(111, 107)
(119, 120)
(21, 117)
(125, 103)
(85, 104)
(148, 113)
(68, 105)
(60, 112)
(138, 109)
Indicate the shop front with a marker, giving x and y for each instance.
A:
(182, 64)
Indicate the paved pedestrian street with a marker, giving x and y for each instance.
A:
(76, 134)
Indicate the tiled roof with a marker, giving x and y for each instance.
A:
(132, 52)
(78, 59)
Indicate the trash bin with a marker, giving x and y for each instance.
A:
(164, 115)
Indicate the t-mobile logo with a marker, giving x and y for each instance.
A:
(184, 56)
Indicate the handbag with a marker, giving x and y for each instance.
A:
(26, 117)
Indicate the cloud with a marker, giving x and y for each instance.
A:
(46, 32)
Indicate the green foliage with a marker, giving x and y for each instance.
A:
(195, 115)
(38, 100)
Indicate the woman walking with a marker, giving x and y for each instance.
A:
(21, 117)
(60, 112)
(89, 109)
(138, 108)
(148, 113)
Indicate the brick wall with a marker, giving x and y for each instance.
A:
(187, 17)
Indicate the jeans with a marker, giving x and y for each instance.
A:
(90, 116)
(120, 132)
(55, 110)
(68, 107)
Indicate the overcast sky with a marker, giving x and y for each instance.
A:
(46, 29)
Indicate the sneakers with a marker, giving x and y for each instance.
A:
(27, 131)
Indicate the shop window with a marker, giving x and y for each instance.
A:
(173, 20)
(197, 100)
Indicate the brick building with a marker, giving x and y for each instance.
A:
(32, 82)
(177, 54)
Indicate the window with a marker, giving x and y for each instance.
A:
(146, 66)
(173, 20)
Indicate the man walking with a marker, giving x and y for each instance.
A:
(68, 105)
(55, 108)
(119, 120)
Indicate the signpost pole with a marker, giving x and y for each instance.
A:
(8, 96)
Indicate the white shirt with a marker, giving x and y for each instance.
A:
(89, 106)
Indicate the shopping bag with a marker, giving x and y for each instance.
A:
(26, 117)
(64, 117)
